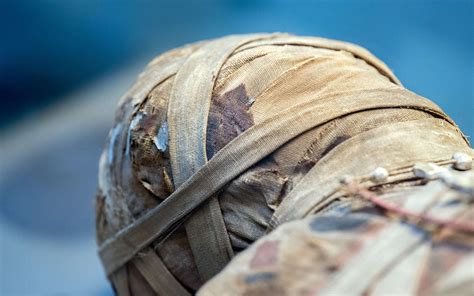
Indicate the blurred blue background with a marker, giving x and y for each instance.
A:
(64, 64)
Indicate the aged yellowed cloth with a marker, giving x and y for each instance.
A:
(220, 142)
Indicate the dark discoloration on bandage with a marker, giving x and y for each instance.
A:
(229, 116)
(150, 164)
(336, 223)
(259, 277)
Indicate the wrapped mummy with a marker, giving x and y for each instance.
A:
(239, 145)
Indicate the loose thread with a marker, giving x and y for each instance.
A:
(355, 188)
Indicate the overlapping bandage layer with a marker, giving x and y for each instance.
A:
(353, 247)
(212, 139)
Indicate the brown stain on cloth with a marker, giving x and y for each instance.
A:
(229, 116)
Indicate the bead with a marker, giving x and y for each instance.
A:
(428, 171)
(463, 162)
(379, 175)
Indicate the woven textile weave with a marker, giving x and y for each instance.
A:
(222, 141)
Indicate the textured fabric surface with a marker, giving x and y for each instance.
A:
(354, 248)
(278, 108)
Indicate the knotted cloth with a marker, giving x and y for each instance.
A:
(211, 142)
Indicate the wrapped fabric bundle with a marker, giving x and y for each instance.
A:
(415, 239)
(221, 141)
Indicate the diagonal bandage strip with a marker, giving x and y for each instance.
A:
(188, 112)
